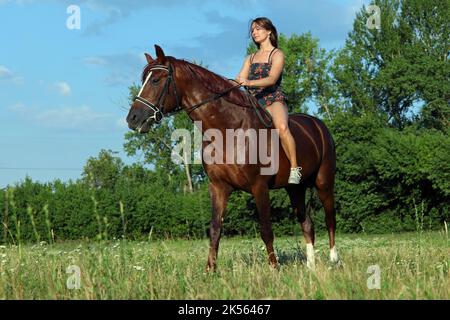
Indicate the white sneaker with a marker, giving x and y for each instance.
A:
(295, 175)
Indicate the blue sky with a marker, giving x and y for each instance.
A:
(63, 92)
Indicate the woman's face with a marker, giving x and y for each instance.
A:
(259, 34)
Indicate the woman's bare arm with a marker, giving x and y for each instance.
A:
(274, 74)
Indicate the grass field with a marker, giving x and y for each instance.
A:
(411, 265)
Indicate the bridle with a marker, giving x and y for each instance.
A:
(158, 109)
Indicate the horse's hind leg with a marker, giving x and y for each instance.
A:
(325, 190)
(262, 200)
(297, 197)
(219, 197)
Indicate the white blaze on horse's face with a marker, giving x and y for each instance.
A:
(154, 107)
(145, 82)
(140, 92)
(148, 78)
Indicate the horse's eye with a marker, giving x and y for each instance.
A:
(156, 80)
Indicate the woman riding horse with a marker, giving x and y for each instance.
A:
(262, 72)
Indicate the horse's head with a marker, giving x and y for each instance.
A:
(158, 95)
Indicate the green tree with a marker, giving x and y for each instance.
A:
(103, 171)
(401, 64)
(428, 22)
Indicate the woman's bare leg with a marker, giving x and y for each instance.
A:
(279, 113)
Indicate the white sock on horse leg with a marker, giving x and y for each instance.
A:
(310, 260)
(334, 255)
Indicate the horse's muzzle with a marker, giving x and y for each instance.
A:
(137, 120)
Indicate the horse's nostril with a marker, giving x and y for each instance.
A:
(132, 118)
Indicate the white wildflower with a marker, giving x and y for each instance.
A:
(138, 268)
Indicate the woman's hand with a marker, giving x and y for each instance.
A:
(243, 81)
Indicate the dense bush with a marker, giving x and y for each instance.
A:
(389, 177)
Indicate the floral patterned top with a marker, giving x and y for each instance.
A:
(268, 95)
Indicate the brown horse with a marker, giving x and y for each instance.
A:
(171, 85)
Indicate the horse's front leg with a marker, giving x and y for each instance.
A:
(262, 200)
(219, 193)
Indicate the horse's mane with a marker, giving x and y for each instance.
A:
(210, 80)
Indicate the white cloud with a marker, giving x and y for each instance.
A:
(17, 108)
(118, 10)
(5, 73)
(63, 88)
(9, 76)
(122, 68)
(73, 118)
(79, 118)
(98, 61)
(20, 2)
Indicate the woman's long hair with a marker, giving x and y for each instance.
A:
(268, 25)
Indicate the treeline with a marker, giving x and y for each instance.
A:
(387, 181)
(385, 97)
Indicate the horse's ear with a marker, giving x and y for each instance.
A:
(149, 58)
(160, 54)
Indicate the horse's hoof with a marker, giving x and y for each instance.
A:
(337, 264)
(274, 266)
(311, 265)
(210, 269)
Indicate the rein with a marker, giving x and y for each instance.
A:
(158, 109)
(258, 109)
(213, 98)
